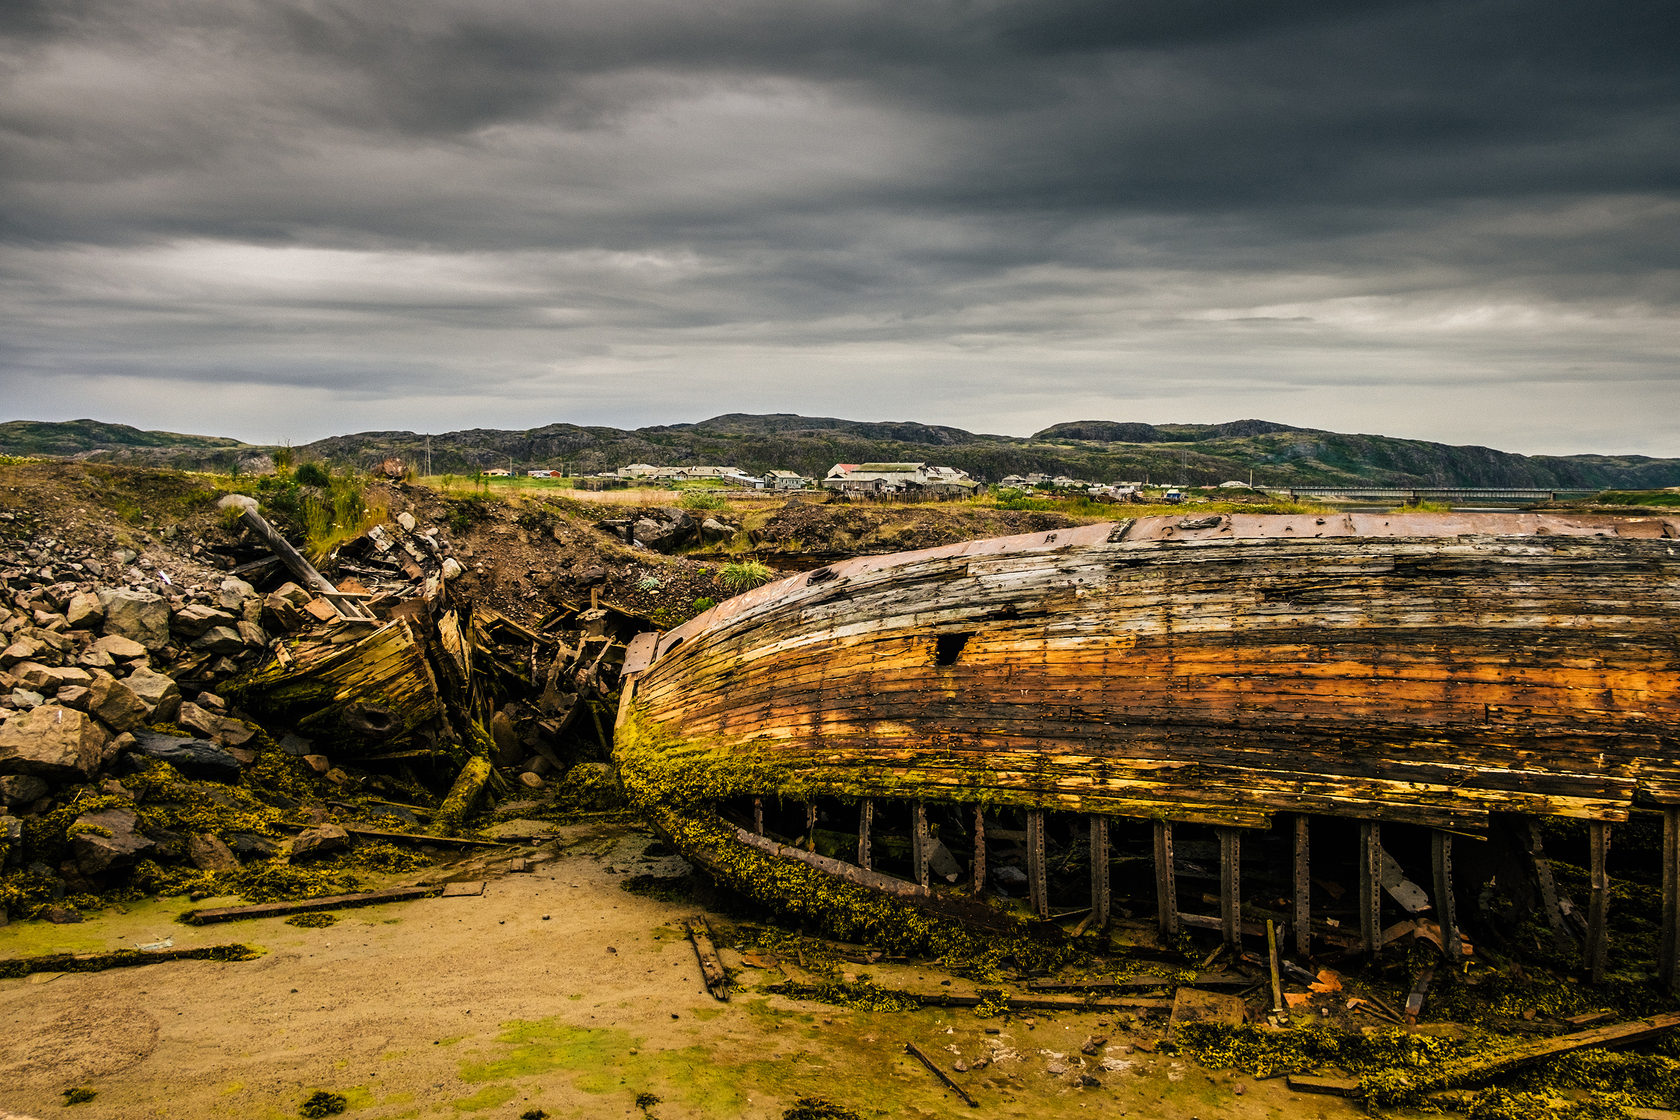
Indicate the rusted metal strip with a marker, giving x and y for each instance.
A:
(920, 849)
(1446, 903)
(1166, 881)
(1038, 887)
(1230, 885)
(1369, 898)
(1598, 906)
(1668, 949)
(866, 822)
(1303, 888)
(979, 851)
(1102, 897)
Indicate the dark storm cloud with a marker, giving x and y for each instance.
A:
(1206, 208)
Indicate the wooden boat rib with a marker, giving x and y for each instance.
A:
(1429, 669)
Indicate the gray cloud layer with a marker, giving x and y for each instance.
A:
(285, 218)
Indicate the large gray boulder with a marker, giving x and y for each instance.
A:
(52, 742)
(138, 615)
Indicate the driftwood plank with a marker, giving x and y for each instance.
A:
(121, 958)
(1327, 1086)
(304, 906)
(425, 838)
(1480, 1070)
(916, 1051)
(711, 965)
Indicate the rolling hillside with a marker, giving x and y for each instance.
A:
(1192, 454)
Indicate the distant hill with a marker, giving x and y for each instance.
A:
(72, 438)
(1102, 450)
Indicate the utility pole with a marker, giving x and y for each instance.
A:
(428, 454)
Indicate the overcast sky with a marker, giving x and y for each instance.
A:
(282, 219)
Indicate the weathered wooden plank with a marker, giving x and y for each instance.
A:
(712, 972)
(304, 906)
(837, 868)
(979, 868)
(424, 838)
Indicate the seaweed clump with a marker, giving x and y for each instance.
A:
(816, 1108)
(321, 1103)
(860, 994)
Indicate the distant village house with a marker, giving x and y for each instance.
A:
(897, 477)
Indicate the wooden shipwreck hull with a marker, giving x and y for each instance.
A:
(1427, 669)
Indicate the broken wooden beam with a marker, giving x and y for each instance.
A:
(306, 905)
(1201, 980)
(425, 838)
(711, 966)
(16, 967)
(838, 868)
(1479, 1070)
(293, 559)
(464, 793)
(912, 1048)
(1325, 1086)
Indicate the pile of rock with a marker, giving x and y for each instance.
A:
(667, 528)
(100, 678)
